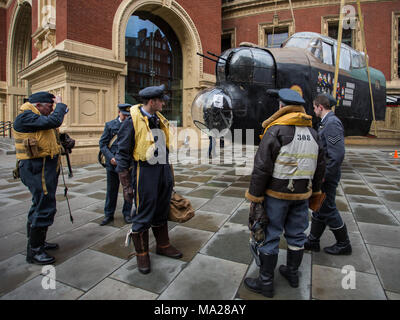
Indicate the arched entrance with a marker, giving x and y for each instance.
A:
(154, 57)
(165, 15)
(19, 54)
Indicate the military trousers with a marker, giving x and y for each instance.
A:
(328, 213)
(112, 196)
(153, 189)
(290, 216)
(43, 209)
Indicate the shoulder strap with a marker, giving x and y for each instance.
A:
(112, 141)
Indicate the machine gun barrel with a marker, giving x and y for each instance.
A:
(202, 55)
(214, 55)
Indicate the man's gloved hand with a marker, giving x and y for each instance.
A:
(258, 220)
(125, 179)
(316, 200)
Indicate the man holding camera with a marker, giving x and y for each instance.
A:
(38, 150)
(288, 169)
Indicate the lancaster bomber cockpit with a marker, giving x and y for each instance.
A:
(305, 63)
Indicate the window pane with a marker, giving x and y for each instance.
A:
(277, 38)
(327, 53)
(347, 34)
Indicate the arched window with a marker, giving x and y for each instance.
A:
(146, 32)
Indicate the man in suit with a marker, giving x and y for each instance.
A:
(108, 146)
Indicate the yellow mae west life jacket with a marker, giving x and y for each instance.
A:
(144, 140)
(43, 142)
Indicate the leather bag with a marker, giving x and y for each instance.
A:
(181, 209)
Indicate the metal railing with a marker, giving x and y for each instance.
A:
(4, 127)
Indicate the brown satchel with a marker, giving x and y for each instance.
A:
(315, 202)
(181, 209)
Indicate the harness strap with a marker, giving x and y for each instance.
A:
(43, 179)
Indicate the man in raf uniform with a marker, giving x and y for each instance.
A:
(145, 138)
(108, 146)
(288, 170)
(38, 153)
(331, 133)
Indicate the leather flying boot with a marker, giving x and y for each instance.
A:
(342, 245)
(141, 243)
(164, 248)
(290, 271)
(47, 245)
(36, 253)
(264, 284)
(317, 229)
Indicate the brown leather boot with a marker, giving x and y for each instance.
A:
(141, 243)
(164, 248)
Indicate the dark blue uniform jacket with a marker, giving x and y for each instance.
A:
(331, 133)
(110, 130)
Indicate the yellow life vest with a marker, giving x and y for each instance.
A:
(144, 140)
(45, 141)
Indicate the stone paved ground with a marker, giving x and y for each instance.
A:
(93, 262)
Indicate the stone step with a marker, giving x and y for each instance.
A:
(7, 146)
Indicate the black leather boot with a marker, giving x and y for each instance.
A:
(47, 245)
(290, 271)
(36, 253)
(264, 284)
(317, 229)
(342, 245)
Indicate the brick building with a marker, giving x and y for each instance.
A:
(97, 54)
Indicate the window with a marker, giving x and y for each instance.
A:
(327, 53)
(226, 41)
(345, 60)
(316, 48)
(347, 34)
(275, 37)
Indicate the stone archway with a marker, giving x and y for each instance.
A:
(19, 54)
(183, 26)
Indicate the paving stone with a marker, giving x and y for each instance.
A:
(341, 204)
(21, 196)
(12, 244)
(182, 190)
(241, 184)
(12, 225)
(187, 240)
(350, 176)
(187, 185)
(380, 235)
(15, 271)
(373, 214)
(33, 290)
(351, 183)
(391, 196)
(14, 209)
(78, 203)
(98, 195)
(393, 295)
(241, 216)
(364, 200)
(217, 184)
(385, 187)
(283, 291)
(358, 190)
(224, 205)
(359, 258)
(234, 192)
(208, 221)
(200, 178)
(62, 223)
(387, 261)
(163, 271)
(110, 289)
(206, 278)
(196, 202)
(377, 180)
(245, 178)
(91, 179)
(225, 178)
(231, 242)
(327, 285)
(98, 264)
(79, 239)
(204, 192)
(115, 244)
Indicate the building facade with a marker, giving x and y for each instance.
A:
(97, 54)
